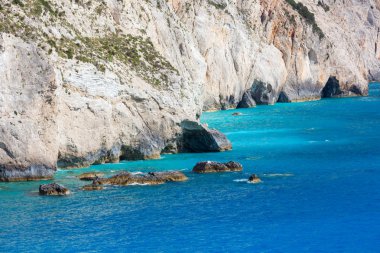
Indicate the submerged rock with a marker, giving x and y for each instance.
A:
(199, 138)
(151, 178)
(237, 114)
(254, 179)
(211, 167)
(92, 187)
(89, 176)
(53, 190)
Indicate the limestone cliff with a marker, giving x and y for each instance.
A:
(85, 81)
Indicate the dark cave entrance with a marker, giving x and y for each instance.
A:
(332, 88)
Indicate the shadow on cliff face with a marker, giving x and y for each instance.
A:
(260, 93)
(334, 89)
(283, 98)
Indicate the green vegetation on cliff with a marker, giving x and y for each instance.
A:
(24, 19)
(307, 15)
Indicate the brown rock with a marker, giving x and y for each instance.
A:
(89, 176)
(53, 190)
(254, 179)
(151, 178)
(211, 167)
(92, 187)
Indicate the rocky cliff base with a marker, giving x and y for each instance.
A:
(89, 82)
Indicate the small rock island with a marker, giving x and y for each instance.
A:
(212, 167)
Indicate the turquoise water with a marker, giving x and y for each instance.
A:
(320, 166)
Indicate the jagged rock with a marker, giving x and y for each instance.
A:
(90, 176)
(263, 93)
(246, 101)
(210, 167)
(254, 179)
(199, 138)
(53, 190)
(151, 178)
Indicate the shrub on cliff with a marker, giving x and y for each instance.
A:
(307, 15)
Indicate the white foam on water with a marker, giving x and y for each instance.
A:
(241, 180)
(254, 182)
(134, 184)
(278, 175)
(137, 173)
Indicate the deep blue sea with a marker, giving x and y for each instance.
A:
(320, 166)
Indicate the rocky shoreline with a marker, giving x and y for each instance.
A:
(195, 138)
(126, 178)
(72, 97)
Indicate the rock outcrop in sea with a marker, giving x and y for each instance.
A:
(213, 167)
(254, 179)
(199, 138)
(91, 82)
(127, 178)
(53, 189)
(90, 176)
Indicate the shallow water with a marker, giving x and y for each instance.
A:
(320, 166)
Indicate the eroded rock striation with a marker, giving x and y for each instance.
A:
(212, 167)
(89, 82)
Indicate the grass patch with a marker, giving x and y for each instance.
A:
(136, 52)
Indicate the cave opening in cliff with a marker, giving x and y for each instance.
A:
(332, 88)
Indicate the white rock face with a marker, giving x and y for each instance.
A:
(88, 82)
(28, 142)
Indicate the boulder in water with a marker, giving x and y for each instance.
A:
(199, 138)
(92, 187)
(90, 176)
(212, 167)
(151, 178)
(53, 190)
(254, 179)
